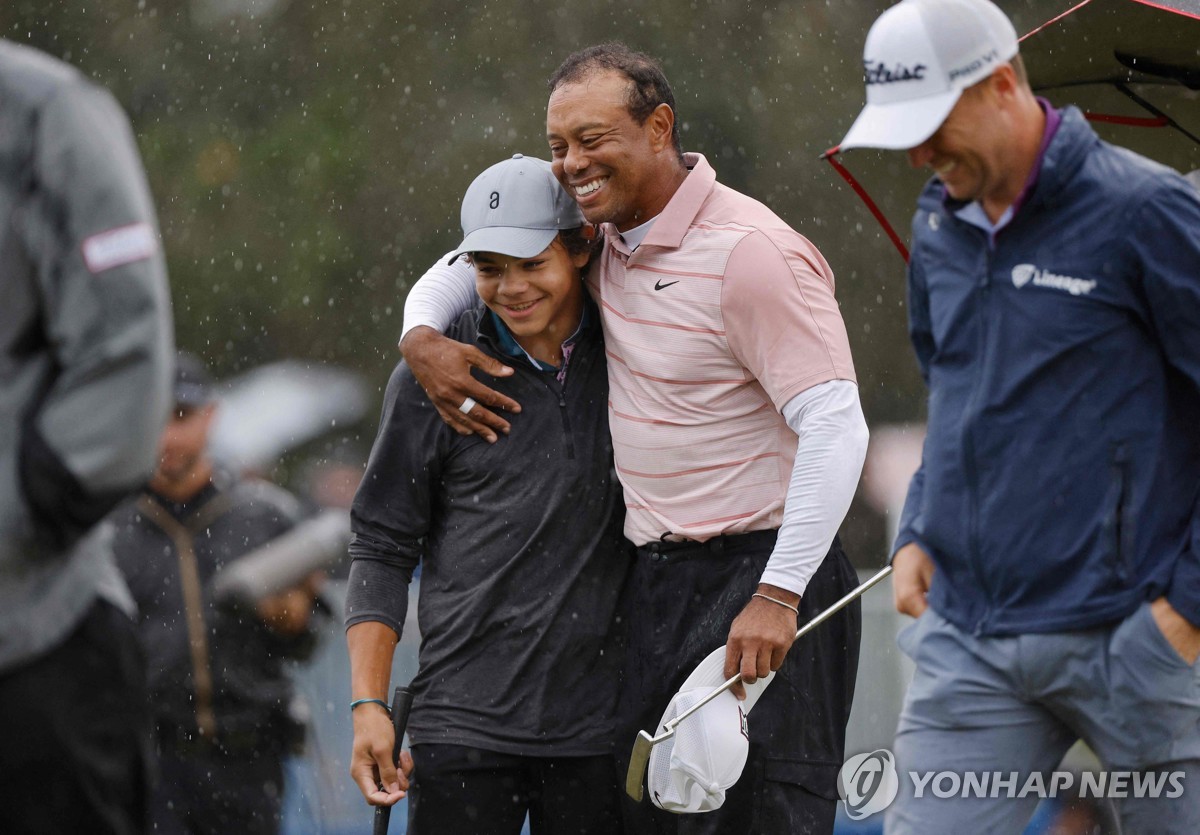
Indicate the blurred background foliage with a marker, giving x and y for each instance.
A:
(308, 157)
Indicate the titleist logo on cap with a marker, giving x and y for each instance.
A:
(919, 57)
(881, 73)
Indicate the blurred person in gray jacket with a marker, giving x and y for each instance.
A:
(85, 358)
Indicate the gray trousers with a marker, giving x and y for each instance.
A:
(979, 704)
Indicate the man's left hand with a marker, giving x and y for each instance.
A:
(760, 637)
(1177, 629)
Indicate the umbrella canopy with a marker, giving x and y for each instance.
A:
(1107, 41)
(278, 407)
(1132, 66)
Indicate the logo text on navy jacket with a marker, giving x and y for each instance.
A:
(1022, 274)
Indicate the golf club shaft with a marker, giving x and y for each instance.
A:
(401, 703)
(804, 630)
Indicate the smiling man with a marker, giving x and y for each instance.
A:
(736, 428)
(1050, 543)
(615, 176)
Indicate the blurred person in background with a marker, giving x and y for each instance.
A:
(222, 701)
(316, 786)
(332, 478)
(523, 561)
(85, 363)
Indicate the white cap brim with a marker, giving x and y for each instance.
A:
(900, 125)
(507, 240)
(711, 673)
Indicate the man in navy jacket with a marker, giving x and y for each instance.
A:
(1050, 542)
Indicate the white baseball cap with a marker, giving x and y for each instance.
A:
(515, 208)
(920, 56)
(691, 771)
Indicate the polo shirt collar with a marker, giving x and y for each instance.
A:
(676, 218)
(635, 236)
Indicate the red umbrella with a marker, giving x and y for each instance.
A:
(1132, 66)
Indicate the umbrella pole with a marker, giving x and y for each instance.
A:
(1145, 105)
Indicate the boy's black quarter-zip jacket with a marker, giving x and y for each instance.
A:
(522, 557)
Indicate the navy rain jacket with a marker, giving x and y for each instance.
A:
(1059, 481)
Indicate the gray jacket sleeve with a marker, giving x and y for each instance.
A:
(90, 238)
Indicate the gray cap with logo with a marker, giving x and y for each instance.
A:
(516, 208)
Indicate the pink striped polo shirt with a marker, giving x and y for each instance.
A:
(721, 316)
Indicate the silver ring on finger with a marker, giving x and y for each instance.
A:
(467, 405)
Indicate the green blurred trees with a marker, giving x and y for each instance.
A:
(308, 163)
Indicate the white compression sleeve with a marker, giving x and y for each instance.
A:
(829, 459)
(439, 297)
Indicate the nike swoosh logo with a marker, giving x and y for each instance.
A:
(658, 285)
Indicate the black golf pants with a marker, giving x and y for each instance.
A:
(458, 790)
(684, 599)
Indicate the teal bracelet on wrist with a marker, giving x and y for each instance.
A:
(379, 702)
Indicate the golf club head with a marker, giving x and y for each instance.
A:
(639, 758)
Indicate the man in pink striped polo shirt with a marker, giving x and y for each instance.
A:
(737, 432)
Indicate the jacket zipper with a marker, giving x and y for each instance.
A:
(1120, 526)
(560, 391)
(969, 452)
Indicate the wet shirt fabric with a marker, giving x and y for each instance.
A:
(720, 316)
(231, 679)
(522, 560)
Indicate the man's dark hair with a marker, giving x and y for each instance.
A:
(648, 88)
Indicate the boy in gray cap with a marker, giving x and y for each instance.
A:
(1050, 543)
(523, 561)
